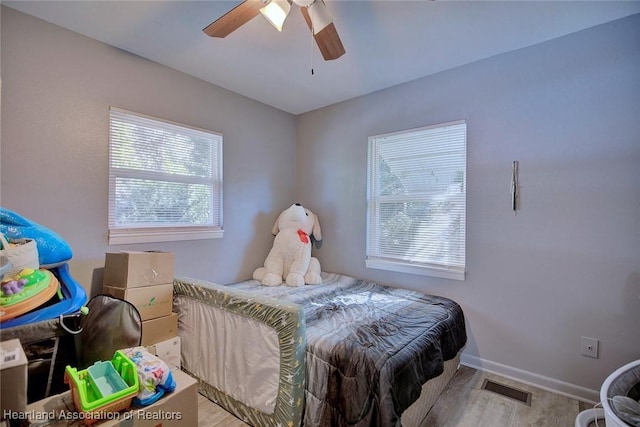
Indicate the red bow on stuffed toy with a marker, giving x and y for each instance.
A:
(303, 236)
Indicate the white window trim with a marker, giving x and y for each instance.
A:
(397, 265)
(126, 236)
(132, 235)
(419, 269)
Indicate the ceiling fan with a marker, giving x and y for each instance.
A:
(315, 13)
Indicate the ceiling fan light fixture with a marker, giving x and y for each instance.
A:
(319, 15)
(276, 12)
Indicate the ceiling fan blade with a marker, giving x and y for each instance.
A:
(235, 18)
(327, 38)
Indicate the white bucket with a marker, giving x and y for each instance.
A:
(588, 416)
(618, 383)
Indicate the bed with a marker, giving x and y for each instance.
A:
(347, 352)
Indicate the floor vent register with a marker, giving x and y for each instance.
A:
(510, 392)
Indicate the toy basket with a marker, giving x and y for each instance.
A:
(104, 388)
(21, 253)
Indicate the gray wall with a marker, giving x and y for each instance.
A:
(568, 264)
(57, 87)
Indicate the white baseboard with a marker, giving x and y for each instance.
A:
(546, 383)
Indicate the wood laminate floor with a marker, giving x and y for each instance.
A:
(463, 404)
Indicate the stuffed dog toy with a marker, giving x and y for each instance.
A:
(290, 257)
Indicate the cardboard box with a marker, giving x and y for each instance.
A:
(13, 378)
(151, 301)
(129, 269)
(160, 329)
(168, 351)
(176, 409)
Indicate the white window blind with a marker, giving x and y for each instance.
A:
(416, 213)
(165, 180)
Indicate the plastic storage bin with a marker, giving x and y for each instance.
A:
(106, 379)
(103, 388)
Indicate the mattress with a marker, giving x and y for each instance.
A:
(369, 348)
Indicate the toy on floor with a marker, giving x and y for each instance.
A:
(25, 291)
(290, 257)
(71, 297)
(28, 245)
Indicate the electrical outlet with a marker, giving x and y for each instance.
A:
(590, 347)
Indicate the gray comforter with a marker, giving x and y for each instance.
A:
(369, 347)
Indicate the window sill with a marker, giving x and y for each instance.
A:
(131, 236)
(423, 270)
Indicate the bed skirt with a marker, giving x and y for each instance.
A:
(431, 390)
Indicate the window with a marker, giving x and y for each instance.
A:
(416, 201)
(165, 180)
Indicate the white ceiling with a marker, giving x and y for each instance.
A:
(387, 42)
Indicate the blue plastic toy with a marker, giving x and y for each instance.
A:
(73, 298)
